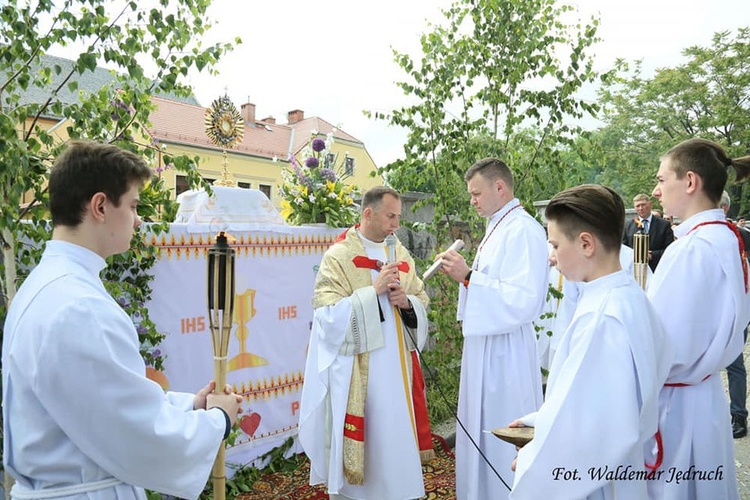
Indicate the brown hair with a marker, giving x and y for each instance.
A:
(708, 160)
(86, 168)
(491, 169)
(374, 196)
(592, 208)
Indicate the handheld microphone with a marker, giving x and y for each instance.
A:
(390, 244)
(456, 245)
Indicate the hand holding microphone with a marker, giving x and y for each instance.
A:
(435, 267)
(390, 273)
(388, 276)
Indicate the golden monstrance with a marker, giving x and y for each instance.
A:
(225, 128)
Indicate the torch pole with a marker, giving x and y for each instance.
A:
(640, 258)
(220, 314)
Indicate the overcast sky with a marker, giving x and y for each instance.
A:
(333, 58)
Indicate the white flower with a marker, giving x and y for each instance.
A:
(312, 198)
(333, 195)
(298, 200)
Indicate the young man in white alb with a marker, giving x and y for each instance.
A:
(601, 407)
(700, 291)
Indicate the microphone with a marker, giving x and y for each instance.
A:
(456, 245)
(390, 244)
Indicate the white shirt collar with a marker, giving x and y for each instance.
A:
(89, 259)
(504, 210)
(367, 243)
(601, 284)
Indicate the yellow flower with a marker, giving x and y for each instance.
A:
(330, 185)
(286, 209)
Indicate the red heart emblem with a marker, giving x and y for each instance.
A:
(249, 423)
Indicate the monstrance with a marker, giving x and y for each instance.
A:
(225, 128)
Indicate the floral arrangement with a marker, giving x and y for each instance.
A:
(313, 191)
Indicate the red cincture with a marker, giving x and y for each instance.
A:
(659, 453)
(659, 444)
(680, 384)
(743, 253)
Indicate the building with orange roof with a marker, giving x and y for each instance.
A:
(178, 124)
(257, 162)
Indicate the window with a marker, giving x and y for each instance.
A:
(349, 165)
(243, 185)
(266, 189)
(330, 160)
(181, 184)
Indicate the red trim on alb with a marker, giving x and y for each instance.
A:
(743, 254)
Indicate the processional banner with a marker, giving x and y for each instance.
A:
(275, 276)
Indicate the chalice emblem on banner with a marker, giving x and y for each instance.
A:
(244, 311)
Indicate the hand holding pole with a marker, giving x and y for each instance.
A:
(221, 262)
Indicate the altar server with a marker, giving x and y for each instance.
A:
(601, 406)
(563, 308)
(81, 420)
(700, 291)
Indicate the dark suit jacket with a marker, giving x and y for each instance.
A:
(660, 236)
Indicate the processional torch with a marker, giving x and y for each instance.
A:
(220, 313)
(640, 256)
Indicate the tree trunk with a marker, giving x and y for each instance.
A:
(9, 288)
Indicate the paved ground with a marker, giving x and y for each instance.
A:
(741, 446)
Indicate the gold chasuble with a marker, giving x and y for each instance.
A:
(345, 269)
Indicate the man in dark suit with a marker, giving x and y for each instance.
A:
(659, 230)
(736, 372)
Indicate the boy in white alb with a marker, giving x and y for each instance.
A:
(563, 308)
(81, 420)
(700, 290)
(601, 406)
